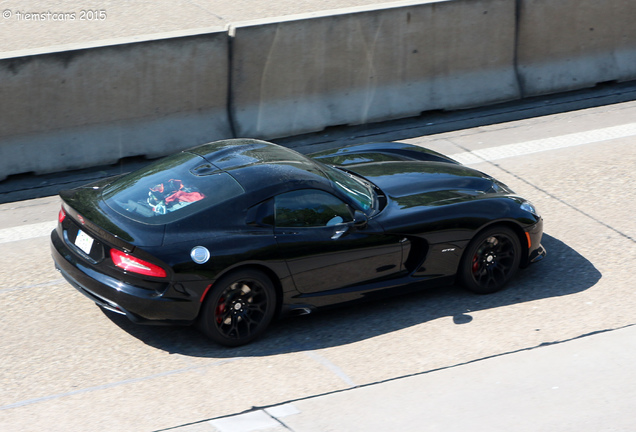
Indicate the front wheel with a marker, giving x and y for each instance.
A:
(490, 261)
(239, 308)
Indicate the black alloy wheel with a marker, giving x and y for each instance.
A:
(491, 260)
(239, 308)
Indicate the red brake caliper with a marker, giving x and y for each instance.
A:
(220, 308)
(475, 263)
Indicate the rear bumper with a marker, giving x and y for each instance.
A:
(140, 305)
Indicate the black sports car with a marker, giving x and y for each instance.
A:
(230, 234)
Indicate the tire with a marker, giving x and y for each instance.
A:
(490, 261)
(238, 308)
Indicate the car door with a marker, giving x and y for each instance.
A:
(326, 249)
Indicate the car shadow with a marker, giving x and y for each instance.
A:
(562, 272)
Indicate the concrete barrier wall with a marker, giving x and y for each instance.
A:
(91, 106)
(86, 107)
(303, 74)
(572, 44)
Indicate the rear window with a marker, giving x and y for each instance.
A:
(170, 189)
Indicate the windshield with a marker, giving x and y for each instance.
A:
(170, 189)
(359, 189)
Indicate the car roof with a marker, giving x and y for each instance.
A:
(259, 165)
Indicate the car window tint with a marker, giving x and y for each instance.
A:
(361, 193)
(310, 208)
(170, 189)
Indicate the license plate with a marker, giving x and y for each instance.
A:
(84, 242)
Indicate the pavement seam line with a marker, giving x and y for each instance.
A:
(276, 419)
(331, 366)
(291, 401)
(114, 384)
(560, 200)
(25, 287)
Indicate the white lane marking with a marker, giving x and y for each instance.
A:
(467, 158)
(281, 411)
(256, 420)
(248, 422)
(536, 146)
(25, 232)
(332, 367)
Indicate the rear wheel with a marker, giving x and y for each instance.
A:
(491, 260)
(239, 308)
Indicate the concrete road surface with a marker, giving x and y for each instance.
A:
(585, 384)
(66, 365)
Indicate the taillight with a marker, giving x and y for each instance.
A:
(133, 264)
(61, 215)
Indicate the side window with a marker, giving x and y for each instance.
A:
(310, 208)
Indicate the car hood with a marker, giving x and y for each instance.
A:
(413, 183)
(378, 152)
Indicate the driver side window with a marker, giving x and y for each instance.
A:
(310, 208)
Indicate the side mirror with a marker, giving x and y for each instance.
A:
(360, 219)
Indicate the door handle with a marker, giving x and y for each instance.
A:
(339, 232)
